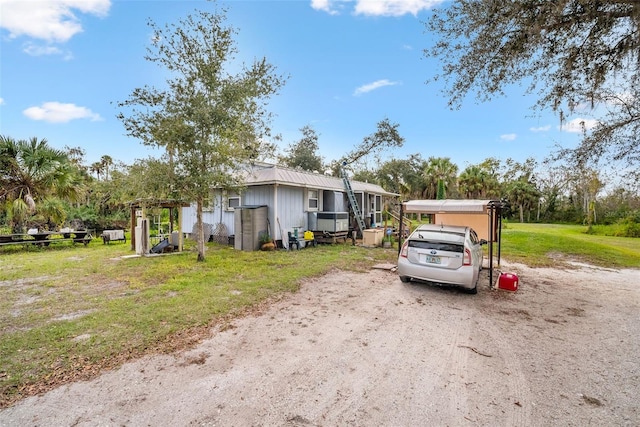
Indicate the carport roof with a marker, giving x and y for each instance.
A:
(447, 206)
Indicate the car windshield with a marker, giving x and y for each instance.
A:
(438, 246)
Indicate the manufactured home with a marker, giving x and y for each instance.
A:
(280, 200)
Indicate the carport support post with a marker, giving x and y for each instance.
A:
(495, 208)
(180, 234)
(400, 229)
(491, 236)
(133, 227)
(499, 210)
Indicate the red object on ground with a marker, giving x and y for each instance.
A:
(508, 282)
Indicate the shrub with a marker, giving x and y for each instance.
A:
(629, 226)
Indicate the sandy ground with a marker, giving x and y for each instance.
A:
(368, 350)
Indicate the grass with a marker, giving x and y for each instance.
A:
(541, 245)
(68, 312)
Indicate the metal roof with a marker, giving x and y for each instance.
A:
(274, 174)
(157, 203)
(447, 206)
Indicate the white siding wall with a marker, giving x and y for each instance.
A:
(291, 210)
(258, 196)
(212, 216)
(291, 205)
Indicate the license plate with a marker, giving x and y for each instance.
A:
(432, 259)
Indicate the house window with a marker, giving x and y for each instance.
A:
(360, 202)
(233, 201)
(312, 200)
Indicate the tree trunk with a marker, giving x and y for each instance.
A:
(521, 214)
(441, 193)
(199, 230)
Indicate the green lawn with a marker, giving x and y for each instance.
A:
(547, 244)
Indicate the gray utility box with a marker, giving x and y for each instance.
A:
(333, 221)
(249, 223)
(334, 201)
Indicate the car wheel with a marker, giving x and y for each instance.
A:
(405, 279)
(473, 290)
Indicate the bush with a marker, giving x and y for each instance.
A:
(117, 220)
(629, 226)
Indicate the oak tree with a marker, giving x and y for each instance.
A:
(211, 118)
(303, 154)
(571, 53)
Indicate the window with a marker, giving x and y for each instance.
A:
(360, 202)
(233, 201)
(312, 200)
(474, 237)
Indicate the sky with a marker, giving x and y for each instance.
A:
(65, 65)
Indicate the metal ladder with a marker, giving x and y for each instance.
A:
(352, 199)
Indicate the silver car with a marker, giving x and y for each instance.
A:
(442, 254)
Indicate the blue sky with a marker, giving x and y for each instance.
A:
(65, 64)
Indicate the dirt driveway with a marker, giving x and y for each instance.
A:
(368, 350)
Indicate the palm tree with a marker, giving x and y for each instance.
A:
(32, 173)
(473, 182)
(106, 162)
(97, 168)
(441, 172)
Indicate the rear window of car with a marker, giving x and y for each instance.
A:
(438, 246)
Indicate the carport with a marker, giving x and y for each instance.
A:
(484, 216)
(139, 206)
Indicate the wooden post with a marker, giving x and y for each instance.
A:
(401, 229)
(180, 234)
(133, 227)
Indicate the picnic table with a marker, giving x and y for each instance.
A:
(44, 238)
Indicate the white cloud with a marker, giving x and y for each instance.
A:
(50, 20)
(1, 101)
(508, 137)
(56, 112)
(579, 125)
(40, 50)
(393, 7)
(376, 7)
(325, 6)
(541, 129)
(373, 86)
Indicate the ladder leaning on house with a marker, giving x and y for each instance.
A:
(352, 199)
